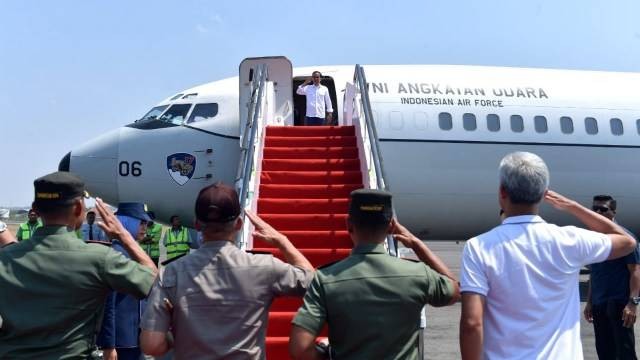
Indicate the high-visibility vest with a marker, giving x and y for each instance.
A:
(153, 249)
(25, 231)
(177, 245)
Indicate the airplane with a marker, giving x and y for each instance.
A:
(442, 130)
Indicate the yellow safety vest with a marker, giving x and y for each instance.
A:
(177, 245)
(153, 248)
(25, 231)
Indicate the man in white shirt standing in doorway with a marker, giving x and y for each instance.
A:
(319, 106)
(519, 281)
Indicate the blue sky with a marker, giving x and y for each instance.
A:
(71, 70)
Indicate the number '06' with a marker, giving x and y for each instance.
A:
(133, 169)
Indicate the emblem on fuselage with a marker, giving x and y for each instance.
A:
(181, 167)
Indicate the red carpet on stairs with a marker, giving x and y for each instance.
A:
(307, 175)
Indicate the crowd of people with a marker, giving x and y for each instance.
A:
(69, 286)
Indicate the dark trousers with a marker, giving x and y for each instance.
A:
(613, 341)
(310, 120)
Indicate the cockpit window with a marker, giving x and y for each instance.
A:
(153, 113)
(176, 96)
(203, 112)
(176, 114)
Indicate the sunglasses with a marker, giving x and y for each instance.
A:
(600, 208)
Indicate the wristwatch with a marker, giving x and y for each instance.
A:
(635, 300)
(3, 227)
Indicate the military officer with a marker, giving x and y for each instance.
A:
(370, 292)
(151, 242)
(222, 286)
(26, 230)
(54, 285)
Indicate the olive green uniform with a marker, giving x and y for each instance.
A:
(53, 290)
(372, 302)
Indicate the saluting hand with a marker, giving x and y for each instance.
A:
(110, 223)
(402, 234)
(558, 201)
(264, 231)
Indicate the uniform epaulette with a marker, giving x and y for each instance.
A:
(169, 261)
(104, 243)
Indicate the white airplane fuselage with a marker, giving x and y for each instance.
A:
(442, 131)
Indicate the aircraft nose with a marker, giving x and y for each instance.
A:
(96, 163)
(65, 162)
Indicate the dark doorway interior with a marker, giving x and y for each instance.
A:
(300, 102)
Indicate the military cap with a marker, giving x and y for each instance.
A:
(217, 203)
(371, 206)
(133, 209)
(58, 188)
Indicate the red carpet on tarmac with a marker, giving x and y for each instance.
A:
(307, 175)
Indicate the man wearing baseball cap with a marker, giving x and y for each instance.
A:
(371, 293)
(54, 286)
(216, 300)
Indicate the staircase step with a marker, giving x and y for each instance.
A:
(310, 141)
(317, 257)
(307, 191)
(286, 303)
(280, 322)
(341, 152)
(277, 347)
(310, 131)
(304, 241)
(284, 222)
(310, 164)
(302, 206)
(311, 177)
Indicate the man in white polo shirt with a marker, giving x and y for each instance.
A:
(319, 105)
(519, 281)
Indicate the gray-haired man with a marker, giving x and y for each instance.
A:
(519, 281)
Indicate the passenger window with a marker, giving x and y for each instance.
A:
(540, 123)
(153, 113)
(616, 126)
(493, 122)
(444, 121)
(203, 112)
(638, 126)
(420, 120)
(517, 124)
(176, 113)
(591, 125)
(566, 125)
(469, 122)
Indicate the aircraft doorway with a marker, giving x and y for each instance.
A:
(300, 101)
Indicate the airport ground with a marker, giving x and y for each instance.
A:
(441, 339)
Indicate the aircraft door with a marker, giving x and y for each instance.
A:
(279, 89)
(350, 110)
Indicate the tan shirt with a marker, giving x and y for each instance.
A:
(221, 297)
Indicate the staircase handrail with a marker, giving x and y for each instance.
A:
(360, 81)
(249, 141)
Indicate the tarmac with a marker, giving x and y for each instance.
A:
(441, 335)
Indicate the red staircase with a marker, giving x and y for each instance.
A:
(307, 175)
